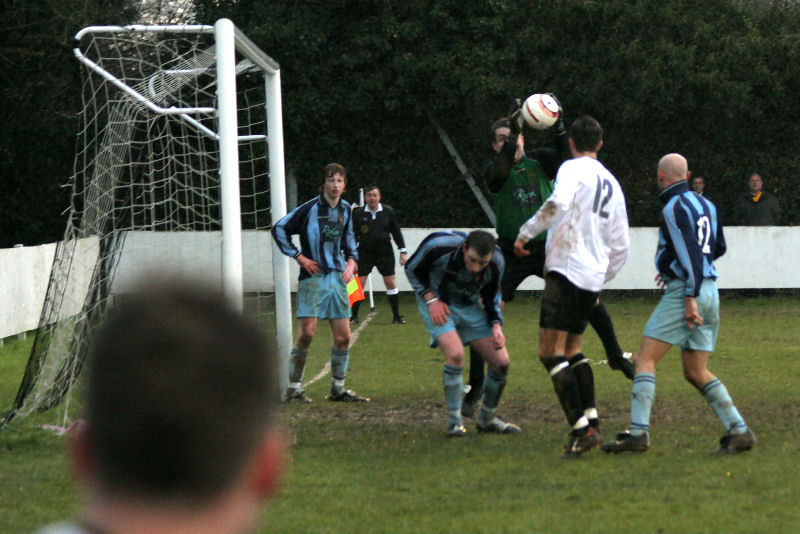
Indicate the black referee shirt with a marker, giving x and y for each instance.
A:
(374, 230)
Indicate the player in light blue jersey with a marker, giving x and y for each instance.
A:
(456, 278)
(327, 259)
(690, 238)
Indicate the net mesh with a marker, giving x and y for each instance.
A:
(146, 196)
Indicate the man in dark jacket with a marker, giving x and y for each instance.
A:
(757, 207)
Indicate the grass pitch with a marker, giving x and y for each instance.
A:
(386, 467)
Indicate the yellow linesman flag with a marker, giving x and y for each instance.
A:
(354, 290)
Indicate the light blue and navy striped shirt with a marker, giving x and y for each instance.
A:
(690, 238)
(326, 234)
(438, 266)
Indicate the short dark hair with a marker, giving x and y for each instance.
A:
(481, 242)
(502, 122)
(181, 389)
(586, 133)
(371, 187)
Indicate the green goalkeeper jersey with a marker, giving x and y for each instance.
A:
(522, 194)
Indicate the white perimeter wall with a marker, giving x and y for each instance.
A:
(757, 257)
(24, 274)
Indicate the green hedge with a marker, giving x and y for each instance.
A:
(715, 80)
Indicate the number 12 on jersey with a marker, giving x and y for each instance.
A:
(602, 196)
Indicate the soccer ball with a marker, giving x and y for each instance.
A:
(540, 111)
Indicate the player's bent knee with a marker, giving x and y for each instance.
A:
(305, 337)
(342, 342)
(308, 327)
(501, 360)
(454, 358)
(696, 378)
(501, 368)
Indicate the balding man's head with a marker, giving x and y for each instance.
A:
(672, 168)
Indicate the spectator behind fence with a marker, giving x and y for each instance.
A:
(757, 207)
(180, 432)
(697, 184)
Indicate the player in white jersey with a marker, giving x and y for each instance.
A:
(587, 244)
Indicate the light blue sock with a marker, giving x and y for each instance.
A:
(493, 386)
(644, 391)
(453, 381)
(339, 359)
(720, 401)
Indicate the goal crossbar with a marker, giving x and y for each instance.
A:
(242, 42)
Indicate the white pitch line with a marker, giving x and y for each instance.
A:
(353, 338)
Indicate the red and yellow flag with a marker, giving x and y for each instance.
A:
(354, 290)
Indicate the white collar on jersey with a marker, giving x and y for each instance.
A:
(373, 213)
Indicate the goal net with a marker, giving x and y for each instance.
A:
(178, 168)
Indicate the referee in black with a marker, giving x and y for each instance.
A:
(374, 225)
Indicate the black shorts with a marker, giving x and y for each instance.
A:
(518, 269)
(564, 306)
(382, 258)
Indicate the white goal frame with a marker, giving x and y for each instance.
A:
(229, 39)
(39, 389)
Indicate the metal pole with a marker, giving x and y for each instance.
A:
(487, 208)
(232, 283)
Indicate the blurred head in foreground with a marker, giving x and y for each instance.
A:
(180, 422)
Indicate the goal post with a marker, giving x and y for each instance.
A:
(179, 168)
(228, 164)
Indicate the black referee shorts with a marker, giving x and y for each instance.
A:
(382, 258)
(565, 307)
